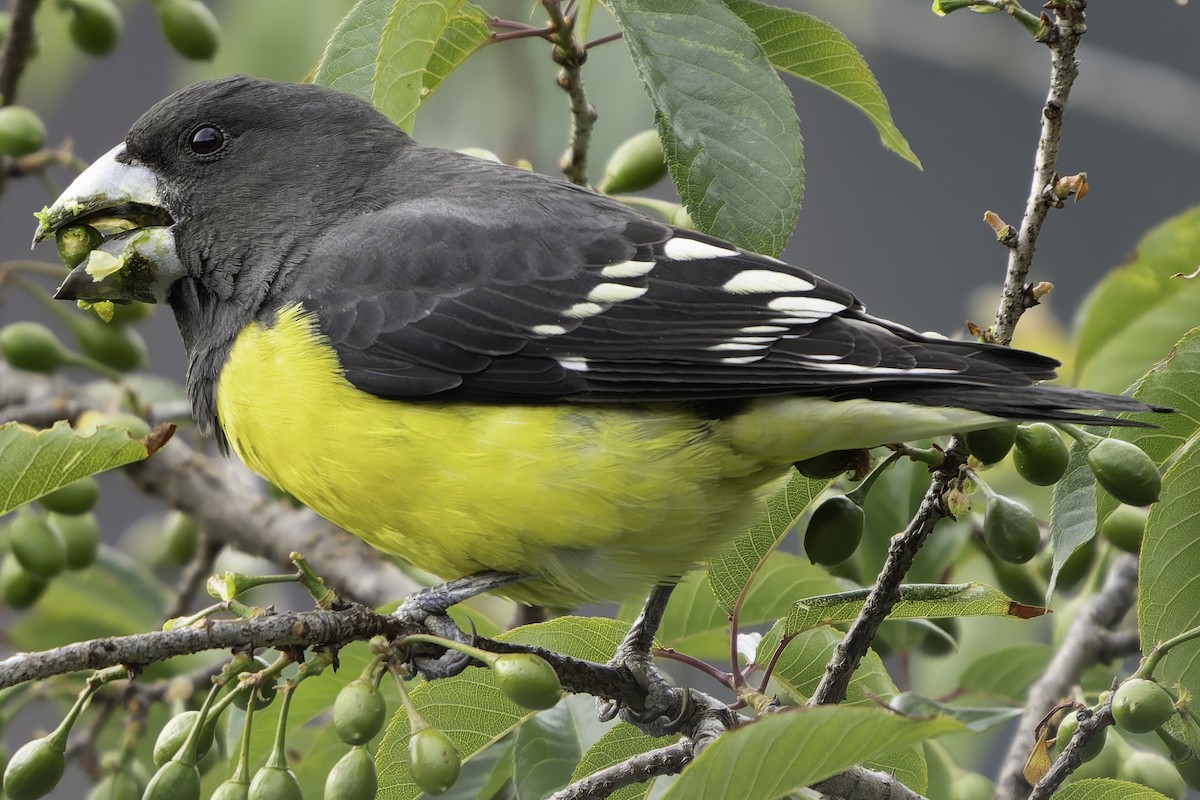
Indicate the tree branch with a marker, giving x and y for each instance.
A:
(583, 115)
(667, 760)
(861, 783)
(1083, 646)
(14, 52)
(1063, 39)
(1071, 757)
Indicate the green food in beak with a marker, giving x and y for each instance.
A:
(136, 258)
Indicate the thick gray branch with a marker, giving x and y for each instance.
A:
(1084, 645)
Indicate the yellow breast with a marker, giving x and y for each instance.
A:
(597, 501)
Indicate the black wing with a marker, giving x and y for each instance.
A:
(492, 284)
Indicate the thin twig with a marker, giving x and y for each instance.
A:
(583, 115)
(662, 761)
(194, 576)
(1063, 40)
(1071, 757)
(15, 50)
(1083, 647)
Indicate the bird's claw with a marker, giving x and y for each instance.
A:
(665, 708)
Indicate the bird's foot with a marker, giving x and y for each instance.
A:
(665, 709)
(427, 609)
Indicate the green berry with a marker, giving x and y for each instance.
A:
(353, 777)
(115, 346)
(636, 164)
(21, 131)
(75, 242)
(528, 680)
(1125, 527)
(834, 531)
(1010, 530)
(95, 26)
(971, 786)
(232, 790)
(263, 693)
(1076, 567)
(1041, 456)
(433, 760)
(80, 535)
(174, 781)
(77, 497)
(991, 444)
(359, 712)
(934, 644)
(190, 28)
(1153, 771)
(834, 463)
(116, 786)
(129, 313)
(19, 588)
(173, 735)
(1020, 582)
(34, 770)
(39, 548)
(31, 346)
(1140, 706)
(181, 535)
(274, 783)
(1125, 472)
(1066, 731)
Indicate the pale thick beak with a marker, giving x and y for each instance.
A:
(122, 200)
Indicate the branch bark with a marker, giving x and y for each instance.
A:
(571, 56)
(15, 51)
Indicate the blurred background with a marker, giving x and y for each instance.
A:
(966, 91)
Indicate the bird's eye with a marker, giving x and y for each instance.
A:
(207, 140)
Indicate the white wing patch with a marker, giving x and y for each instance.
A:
(752, 281)
(881, 370)
(680, 248)
(628, 269)
(548, 330)
(806, 306)
(574, 363)
(582, 310)
(763, 329)
(614, 293)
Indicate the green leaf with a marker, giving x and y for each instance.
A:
(1167, 572)
(1134, 315)
(800, 667)
(620, 743)
(922, 600)
(1072, 512)
(423, 42)
(36, 462)
(906, 765)
(472, 711)
(738, 562)
(1107, 789)
(550, 745)
(1006, 673)
(348, 63)
(727, 123)
(973, 719)
(779, 753)
(813, 49)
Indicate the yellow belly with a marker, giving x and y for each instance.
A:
(598, 502)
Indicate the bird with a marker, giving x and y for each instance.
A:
(485, 370)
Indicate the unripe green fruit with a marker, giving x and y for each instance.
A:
(433, 761)
(129, 313)
(30, 346)
(80, 535)
(190, 28)
(274, 783)
(175, 733)
(1041, 456)
(95, 26)
(1076, 567)
(21, 131)
(77, 497)
(637, 163)
(174, 781)
(971, 786)
(1010, 530)
(353, 777)
(115, 346)
(1155, 772)
(19, 588)
(528, 680)
(264, 693)
(75, 242)
(1066, 730)
(991, 444)
(834, 531)
(1125, 527)
(231, 790)
(1020, 582)
(359, 712)
(1140, 706)
(1125, 472)
(834, 463)
(116, 786)
(40, 549)
(34, 770)
(933, 644)
(181, 536)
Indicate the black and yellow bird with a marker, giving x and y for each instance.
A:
(480, 368)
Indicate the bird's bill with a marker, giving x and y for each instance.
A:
(136, 260)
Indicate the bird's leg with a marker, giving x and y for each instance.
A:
(666, 707)
(427, 608)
